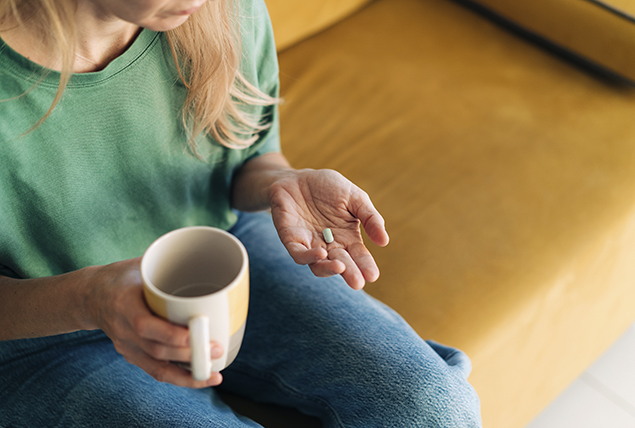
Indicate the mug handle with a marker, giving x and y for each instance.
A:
(199, 342)
(200, 333)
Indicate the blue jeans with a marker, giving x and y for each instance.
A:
(311, 343)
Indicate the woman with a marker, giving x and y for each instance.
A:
(123, 120)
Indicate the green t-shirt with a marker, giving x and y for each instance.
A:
(109, 171)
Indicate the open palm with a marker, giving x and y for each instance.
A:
(307, 202)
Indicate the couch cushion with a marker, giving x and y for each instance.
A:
(602, 32)
(506, 177)
(295, 20)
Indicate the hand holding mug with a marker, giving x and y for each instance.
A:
(116, 305)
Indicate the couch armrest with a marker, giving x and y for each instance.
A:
(600, 32)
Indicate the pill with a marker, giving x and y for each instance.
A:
(328, 235)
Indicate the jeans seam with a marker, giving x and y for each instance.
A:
(279, 383)
(450, 355)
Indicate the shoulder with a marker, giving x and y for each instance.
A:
(255, 25)
(259, 56)
(253, 12)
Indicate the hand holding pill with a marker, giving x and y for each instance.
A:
(318, 214)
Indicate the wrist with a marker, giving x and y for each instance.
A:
(252, 185)
(86, 290)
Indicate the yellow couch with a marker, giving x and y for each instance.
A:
(505, 170)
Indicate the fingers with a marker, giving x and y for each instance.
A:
(364, 261)
(352, 275)
(160, 351)
(305, 256)
(351, 260)
(153, 328)
(154, 353)
(163, 340)
(373, 222)
(359, 265)
(159, 343)
(164, 371)
(326, 268)
(355, 263)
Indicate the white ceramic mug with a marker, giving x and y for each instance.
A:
(199, 277)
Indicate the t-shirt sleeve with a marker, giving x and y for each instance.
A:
(260, 67)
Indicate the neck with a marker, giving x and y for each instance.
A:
(99, 40)
(101, 37)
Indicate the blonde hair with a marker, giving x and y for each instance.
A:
(207, 53)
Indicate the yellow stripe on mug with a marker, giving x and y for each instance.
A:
(238, 304)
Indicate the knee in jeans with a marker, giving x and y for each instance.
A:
(443, 400)
(430, 396)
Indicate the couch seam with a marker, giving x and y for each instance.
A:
(543, 42)
(613, 10)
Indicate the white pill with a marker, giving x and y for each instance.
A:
(328, 235)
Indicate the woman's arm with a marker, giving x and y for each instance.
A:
(43, 306)
(109, 298)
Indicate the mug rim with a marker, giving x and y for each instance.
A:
(234, 283)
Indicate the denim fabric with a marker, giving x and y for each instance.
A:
(311, 343)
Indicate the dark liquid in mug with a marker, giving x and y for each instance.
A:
(198, 289)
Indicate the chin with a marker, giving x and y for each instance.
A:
(165, 24)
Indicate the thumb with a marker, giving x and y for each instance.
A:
(373, 223)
